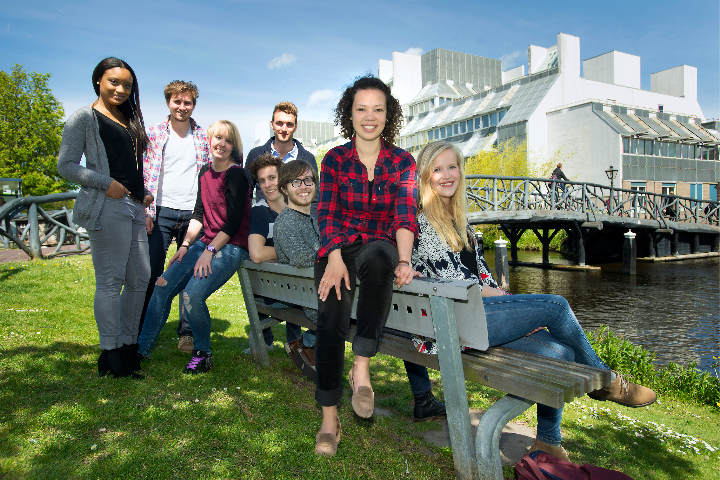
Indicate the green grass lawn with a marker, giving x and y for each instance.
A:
(58, 419)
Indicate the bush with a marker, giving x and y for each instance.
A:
(686, 383)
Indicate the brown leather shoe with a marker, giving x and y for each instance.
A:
(326, 443)
(186, 344)
(291, 348)
(307, 356)
(554, 450)
(625, 393)
(363, 401)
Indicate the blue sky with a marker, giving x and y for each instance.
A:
(245, 56)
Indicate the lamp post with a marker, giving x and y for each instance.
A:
(611, 174)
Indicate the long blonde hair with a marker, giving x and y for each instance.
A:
(450, 222)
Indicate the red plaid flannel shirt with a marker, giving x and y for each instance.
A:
(344, 213)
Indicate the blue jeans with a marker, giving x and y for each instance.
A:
(418, 378)
(169, 223)
(511, 317)
(178, 277)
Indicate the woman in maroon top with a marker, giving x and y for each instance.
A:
(366, 215)
(223, 211)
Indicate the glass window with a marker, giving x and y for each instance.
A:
(639, 186)
(486, 121)
(711, 154)
(477, 123)
(501, 114)
(671, 149)
(626, 145)
(633, 145)
(648, 147)
(470, 125)
(442, 132)
(463, 127)
(698, 150)
(641, 147)
(664, 149)
(668, 189)
(685, 151)
(437, 134)
(656, 145)
(456, 129)
(493, 119)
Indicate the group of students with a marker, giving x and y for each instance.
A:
(381, 218)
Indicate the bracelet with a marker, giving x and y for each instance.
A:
(404, 262)
(184, 245)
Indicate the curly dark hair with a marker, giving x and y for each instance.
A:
(264, 160)
(343, 111)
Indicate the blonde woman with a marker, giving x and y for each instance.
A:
(203, 265)
(446, 248)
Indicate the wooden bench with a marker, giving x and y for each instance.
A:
(452, 312)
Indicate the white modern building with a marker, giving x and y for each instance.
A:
(658, 140)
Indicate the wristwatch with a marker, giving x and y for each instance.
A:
(211, 249)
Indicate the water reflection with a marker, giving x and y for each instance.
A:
(672, 308)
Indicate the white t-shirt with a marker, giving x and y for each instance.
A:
(177, 184)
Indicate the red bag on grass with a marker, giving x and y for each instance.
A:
(543, 466)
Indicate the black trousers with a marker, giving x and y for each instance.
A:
(374, 266)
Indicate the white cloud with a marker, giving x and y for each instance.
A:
(323, 97)
(282, 60)
(508, 61)
(415, 51)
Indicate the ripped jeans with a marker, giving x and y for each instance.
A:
(179, 277)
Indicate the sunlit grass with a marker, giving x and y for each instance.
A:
(58, 419)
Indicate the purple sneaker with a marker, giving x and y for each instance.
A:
(200, 362)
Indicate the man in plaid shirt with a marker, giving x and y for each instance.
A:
(177, 149)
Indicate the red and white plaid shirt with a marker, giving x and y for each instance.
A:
(158, 135)
(344, 210)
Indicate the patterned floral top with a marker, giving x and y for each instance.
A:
(433, 258)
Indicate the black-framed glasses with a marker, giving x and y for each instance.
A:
(308, 181)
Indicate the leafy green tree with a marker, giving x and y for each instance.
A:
(30, 132)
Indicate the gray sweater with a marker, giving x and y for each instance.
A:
(297, 238)
(81, 135)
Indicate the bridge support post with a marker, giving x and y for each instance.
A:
(630, 254)
(649, 237)
(695, 245)
(502, 267)
(675, 243)
(716, 243)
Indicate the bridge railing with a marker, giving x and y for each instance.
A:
(490, 192)
(24, 231)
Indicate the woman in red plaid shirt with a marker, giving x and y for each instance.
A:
(366, 213)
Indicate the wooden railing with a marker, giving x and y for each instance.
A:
(489, 192)
(24, 230)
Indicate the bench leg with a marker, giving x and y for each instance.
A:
(257, 343)
(453, 382)
(487, 438)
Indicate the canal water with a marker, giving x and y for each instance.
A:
(671, 308)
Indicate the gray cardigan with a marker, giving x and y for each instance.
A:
(81, 135)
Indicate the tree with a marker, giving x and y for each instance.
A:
(30, 132)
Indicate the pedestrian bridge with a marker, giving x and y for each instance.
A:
(594, 216)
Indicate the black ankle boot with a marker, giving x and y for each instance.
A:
(133, 358)
(427, 408)
(103, 364)
(118, 363)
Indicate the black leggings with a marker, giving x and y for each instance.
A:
(374, 266)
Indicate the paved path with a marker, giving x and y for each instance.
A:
(17, 255)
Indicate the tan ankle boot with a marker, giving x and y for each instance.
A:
(554, 450)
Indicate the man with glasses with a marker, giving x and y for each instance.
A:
(297, 238)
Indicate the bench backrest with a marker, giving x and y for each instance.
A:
(410, 312)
